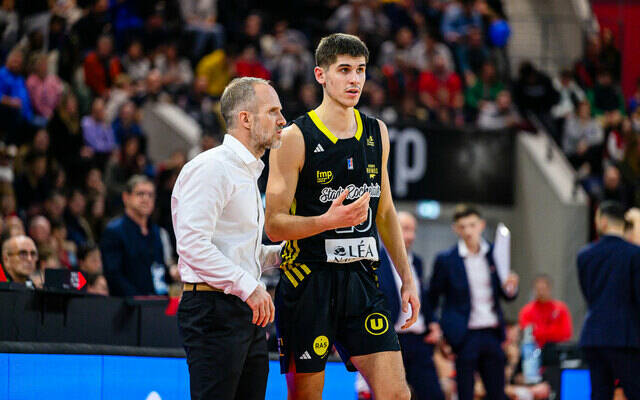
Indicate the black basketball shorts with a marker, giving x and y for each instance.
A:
(325, 304)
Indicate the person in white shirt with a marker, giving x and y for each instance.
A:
(472, 321)
(218, 220)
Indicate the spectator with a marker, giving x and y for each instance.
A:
(248, 64)
(33, 186)
(474, 54)
(215, 69)
(15, 107)
(97, 284)
(176, 71)
(126, 124)
(306, 100)
(132, 252)
(121, 92)
(534, 95)
(617, 139)
(424, 52)
(613, 188)
(358, 13)
(200, 17)
(458, 19)
(135, 64)
(78, 229)
(441, 92)
(583, 140)
(590, 64)
(39, 144)
(45, 90)
(606, 96)
(66, 136)
(251, 33)
(40, 232)
(87, 30)
(101, 67)
(571, 95)
(19, 257)
(90, 260)
(13, 226)
(610, 55)
(66, 249)
(549, 318)
(98, 135)
(200, 106)
(485, 89)
(500, 114)
(11, 22)
(634, 100)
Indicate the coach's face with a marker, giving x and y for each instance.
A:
(268, 121)
(344, 79)
(469, 229)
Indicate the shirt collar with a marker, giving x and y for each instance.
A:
(464, 251)
(255, 164)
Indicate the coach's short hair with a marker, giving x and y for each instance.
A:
(332, 46)
(613, 210)
(465, 210)
(238, 96)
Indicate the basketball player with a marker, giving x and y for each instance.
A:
(328, 195)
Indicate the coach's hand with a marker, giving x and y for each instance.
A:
(409, 295)
(262, 306)
(344, 216)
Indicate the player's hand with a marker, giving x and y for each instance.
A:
(435, 333)
(343, 216)
(262, 306)
(409, 296)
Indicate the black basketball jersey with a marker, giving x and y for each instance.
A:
(332, 165)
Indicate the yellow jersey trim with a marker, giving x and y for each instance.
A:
(323, 128)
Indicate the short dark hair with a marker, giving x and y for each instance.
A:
(134, 181)
(334, 45)
(613, 210)
(465, 210)
(85, 250)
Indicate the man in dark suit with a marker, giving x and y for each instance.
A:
(609, 274)
(416, 342)
(471, 319)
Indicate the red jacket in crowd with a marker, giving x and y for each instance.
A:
(95, 73)
(550, 319)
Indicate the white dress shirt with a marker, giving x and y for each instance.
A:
(419, 326)
(218, 220)
(479, 278)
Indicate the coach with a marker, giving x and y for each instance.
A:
(218, 220)
(609, 273)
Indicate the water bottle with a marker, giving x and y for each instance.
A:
(530, 358)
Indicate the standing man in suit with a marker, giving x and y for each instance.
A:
(471, 318)
(609, 274)
(416, 341)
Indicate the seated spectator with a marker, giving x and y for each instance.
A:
(375, 104)
(587, 68)
(39, 144)
(54, 206)
(13, 226)
(583, 140)
(15, 106)
(500, 114)
(121, 92)
(634, 100)
(424, 52)
(78, 229)
(200, 106)
(19, 257)
(131, 161)
(200, 17)
(394, 60)
(9, 18)
(610, 56)
(534, 95)
(97, 134)
(176, 71)
(33, 186)
(126, 124)
(97, 284)
(570, 96)
(441, 92)
(360, 14)
(66, 249)
(40, 232)
(134, 63)
(410, 113)
(132, 252)
(459, 17)
(214, 67)
(613, 188)
(248, 64)
(606, 96)
(101, 67)
(90, 260)
(153, 92)
(617, 139)
(550, 318)
(307, 99)
(45, 90)
(484, 89)
(474, 54)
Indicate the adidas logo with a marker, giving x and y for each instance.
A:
(319, 148)
(305, 356)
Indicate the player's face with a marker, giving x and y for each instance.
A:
(343, 80)
(268, 121)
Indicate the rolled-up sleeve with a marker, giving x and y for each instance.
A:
(197, 202)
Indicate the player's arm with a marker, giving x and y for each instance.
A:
(391, 235)
(285, 165)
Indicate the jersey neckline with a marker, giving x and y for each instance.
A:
(323, 128)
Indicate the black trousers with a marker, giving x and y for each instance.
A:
(480, 351)
(227, 354)
(417, 357)
(606, 365)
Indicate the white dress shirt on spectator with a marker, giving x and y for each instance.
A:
(479, 277)
(218, 220)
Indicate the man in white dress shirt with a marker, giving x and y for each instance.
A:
(472, 319)
(218, 220)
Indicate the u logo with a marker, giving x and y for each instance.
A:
(376, 324)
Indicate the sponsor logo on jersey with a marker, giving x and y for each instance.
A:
(376, 324)
(321, 345)
(350, 163)
(370, 141)
(350, 250)
(324, 177)
(372, 170)
(327, 195)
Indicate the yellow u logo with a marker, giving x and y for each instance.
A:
(376, 324)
